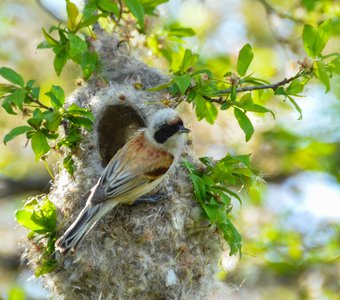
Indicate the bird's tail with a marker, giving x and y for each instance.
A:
(87, 218)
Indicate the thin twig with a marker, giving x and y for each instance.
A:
(271, 10)
(39, 103)
(272, 86)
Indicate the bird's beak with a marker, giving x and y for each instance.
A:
(182, 129)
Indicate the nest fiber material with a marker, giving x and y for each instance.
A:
(148, 251)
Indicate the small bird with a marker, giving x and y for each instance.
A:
(137, 168)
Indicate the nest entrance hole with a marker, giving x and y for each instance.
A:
(116, 126)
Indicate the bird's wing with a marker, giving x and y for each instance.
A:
(135, 165)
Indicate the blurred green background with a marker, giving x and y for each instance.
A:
(290, 224)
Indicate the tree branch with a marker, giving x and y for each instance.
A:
(9, 187)
(272, 86)
(39, 103)
(271, 10)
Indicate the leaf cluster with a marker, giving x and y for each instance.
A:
(213, 193)
(47, 127)
(323, 67)
(40, 217)
(203, 90)
(57, 127)
(209, 94)
(168, 40)
(71, 42)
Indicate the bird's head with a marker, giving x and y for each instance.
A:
(166, 130)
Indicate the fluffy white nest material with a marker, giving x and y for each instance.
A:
(149, 251)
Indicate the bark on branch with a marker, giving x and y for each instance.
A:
(10, 187)
(272, 86)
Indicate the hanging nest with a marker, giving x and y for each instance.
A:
(156, 251)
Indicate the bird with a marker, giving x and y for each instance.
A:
(135, 170)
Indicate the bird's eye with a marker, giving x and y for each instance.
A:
(165, 132)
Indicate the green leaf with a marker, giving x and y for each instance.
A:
(47, 266)
(233, 194)
(77, 47)
(57, 96)
(245, 57)
(295, 87)
(309, 4)
(39, 144)
(211, 112)
(244, 123)
(183, 82)
(245, 159)
(89, 64)
(17, 97)
(247, 104)
(44, 45)
(15, 132)
(72, 14)
(75, 110)
(280, 91)
(296, 106)
(137, 10)
(7, 106)
(89, 9)
(150, 5)
(177, 30)
(108, 6)
(323, 36)
(59, 61)
(68, 164)
(24, 218)
(72, 138)
(253, 80)
(199, 188)
(189, 60)
(49, 39)
(35, 92)
(30, 83)
(243, 171)
(53, 120)
(200, 107)
(41, 218)
(208, 90)
(232, 236)
(45, 215)
(12, 76)
(205, 110)
(315, 40)
(212, 212)
(206, 160)
(90, 20)
(81, 121)
(36, 119)
(309, 35)
(321, 73)
(161, 86)
(6, 89)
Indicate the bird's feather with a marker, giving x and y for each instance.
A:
(129, 175)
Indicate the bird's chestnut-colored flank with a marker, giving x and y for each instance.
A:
(135, 170)
(165, 250)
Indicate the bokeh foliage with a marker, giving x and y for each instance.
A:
(256, 61)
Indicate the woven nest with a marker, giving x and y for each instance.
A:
(148, 251)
